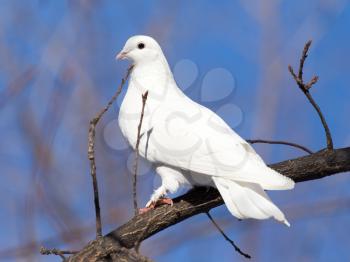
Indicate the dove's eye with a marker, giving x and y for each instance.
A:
(141, 46)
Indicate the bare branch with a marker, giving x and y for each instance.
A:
(144, 98)
(57, 252)
(303, 58)
(306, 87)
(278, 142)
(103, 250)
(142, 236)
(311, 82)
(227, 238)
(315, 166)
(91, 152)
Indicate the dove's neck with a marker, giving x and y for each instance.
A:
(151, 68)
(154, 76)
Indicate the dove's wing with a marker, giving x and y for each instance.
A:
(189, 136)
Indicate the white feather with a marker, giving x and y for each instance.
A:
(248, 200)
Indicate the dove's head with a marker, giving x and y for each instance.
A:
(140, 48)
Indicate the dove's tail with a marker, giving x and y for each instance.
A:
(248, 200)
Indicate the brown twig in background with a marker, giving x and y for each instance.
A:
(305, 87)
(91, 152)
(57, 252)
(227, 238)
(278, 142)
(17, 85)
(134, 187)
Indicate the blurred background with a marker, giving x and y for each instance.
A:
(57, 70)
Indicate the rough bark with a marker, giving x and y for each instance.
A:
(116, 245)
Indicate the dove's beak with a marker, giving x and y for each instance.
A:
(121, 55)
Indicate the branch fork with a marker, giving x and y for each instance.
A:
(305, 87)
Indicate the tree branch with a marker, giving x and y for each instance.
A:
(305, 87)
(227, 238)
(137, 154)
(57, 252)
(277, 142)
(91, 152)
(315, 166)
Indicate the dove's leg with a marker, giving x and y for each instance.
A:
(171, 181)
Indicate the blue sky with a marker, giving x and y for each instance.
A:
(70, 46)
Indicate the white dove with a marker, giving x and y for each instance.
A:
(190, 145)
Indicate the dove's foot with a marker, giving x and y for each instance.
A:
(165, 201)
(154, 204)
(145, 210)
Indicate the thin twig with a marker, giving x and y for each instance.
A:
(57, 252)
(91, 152)
(278, 142)
(305, 87)
(134, 188)
(303, 58)
(227, 238)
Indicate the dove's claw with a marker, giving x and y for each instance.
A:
(145, 210)
(165, 201)
(153, 204)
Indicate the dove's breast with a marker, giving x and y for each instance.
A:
(129, 116)
(130, 110)
(172, 123)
